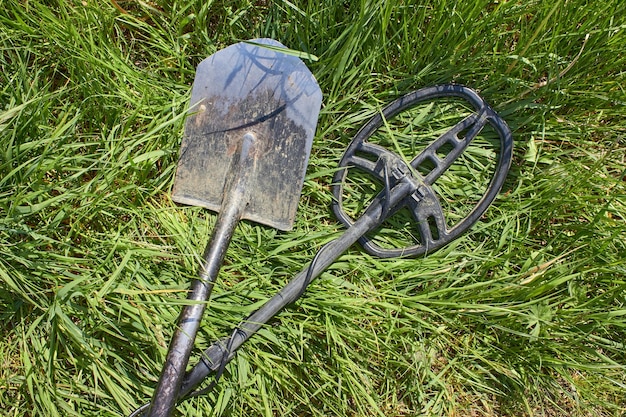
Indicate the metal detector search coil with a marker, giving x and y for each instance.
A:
(423, 203)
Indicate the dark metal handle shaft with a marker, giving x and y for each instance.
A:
(235, 200)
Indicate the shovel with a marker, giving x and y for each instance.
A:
(253, 114)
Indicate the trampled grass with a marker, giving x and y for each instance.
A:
(524, 315)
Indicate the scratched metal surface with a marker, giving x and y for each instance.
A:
(247, 88)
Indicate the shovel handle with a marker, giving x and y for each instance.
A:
(235, 200)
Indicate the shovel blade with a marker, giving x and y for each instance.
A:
(248, 88)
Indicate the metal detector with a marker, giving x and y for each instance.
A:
(245, 150)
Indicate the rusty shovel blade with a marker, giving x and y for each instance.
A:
(247, 88)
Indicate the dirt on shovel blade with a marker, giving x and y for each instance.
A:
(248, 88)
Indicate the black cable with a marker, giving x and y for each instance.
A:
(309, 277)
(221, 368)
(228, 351)
(229, 346)
(220, 371)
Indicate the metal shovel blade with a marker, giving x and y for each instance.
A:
(248, 88)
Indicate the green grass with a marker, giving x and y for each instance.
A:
(523, 316)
